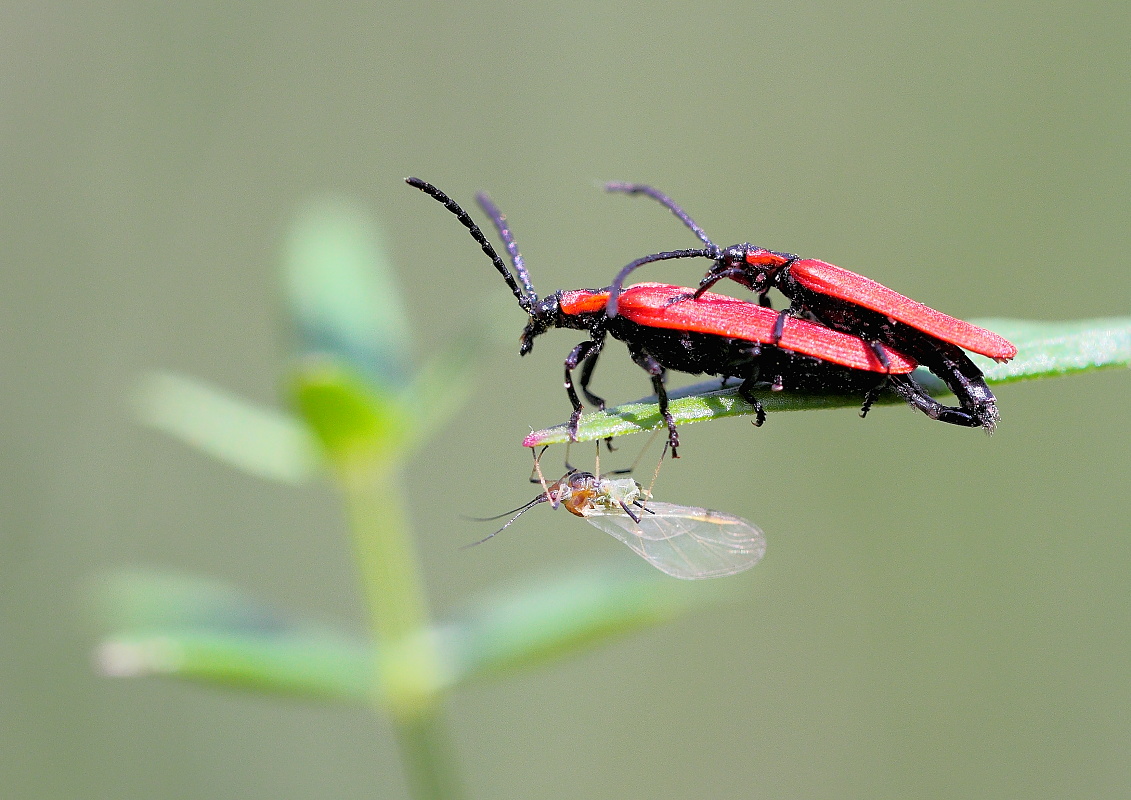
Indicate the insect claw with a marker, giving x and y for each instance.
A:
(679, 298)
(574, 421)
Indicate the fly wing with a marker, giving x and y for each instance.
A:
(686, 542)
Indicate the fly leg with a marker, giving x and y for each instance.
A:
(536, 470)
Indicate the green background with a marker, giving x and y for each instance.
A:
(940, 614)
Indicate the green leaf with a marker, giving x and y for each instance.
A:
(143, 601)
(201, 630)
(352, 419)
(260, 440)
(553, 617)
(297, 663)
(1044, 349)
(343, 294)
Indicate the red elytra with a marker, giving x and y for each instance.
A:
(833, 281)
(651, 304)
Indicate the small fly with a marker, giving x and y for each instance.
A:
(684, 541)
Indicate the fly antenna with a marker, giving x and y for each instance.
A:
(542, 498)
(666, 202)
(518, 510)
(524, 300)
(616, 286)
(500, 221)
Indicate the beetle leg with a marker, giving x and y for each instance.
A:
(712, 277)
(871, 396)
(746, 391)
(586, 376)
(779, 325)
(962, 376)
(584, 350)
(914, 394)
(657, 371)
(881, 355)
(874, 393)
(679, 298)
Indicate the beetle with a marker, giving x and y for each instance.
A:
(848, 302)
(718, 335)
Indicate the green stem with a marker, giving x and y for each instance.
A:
(410, 672)
(389, 571)
(427, 754)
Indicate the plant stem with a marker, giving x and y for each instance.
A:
(409, 669)
(428, 759)
(389, 572)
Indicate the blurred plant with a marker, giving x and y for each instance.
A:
(360, 412)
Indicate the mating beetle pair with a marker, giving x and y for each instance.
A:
(847, 302)
(837, 341)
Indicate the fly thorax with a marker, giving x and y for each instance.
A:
(612, 493)
(576, 493)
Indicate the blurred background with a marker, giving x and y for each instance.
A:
(940, 614)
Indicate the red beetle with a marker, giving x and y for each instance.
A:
(847, 302)
(718, 336)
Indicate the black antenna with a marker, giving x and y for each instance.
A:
(615, 287)
(711, 251)
(500, 220)
(526, 301)
(664, 200)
